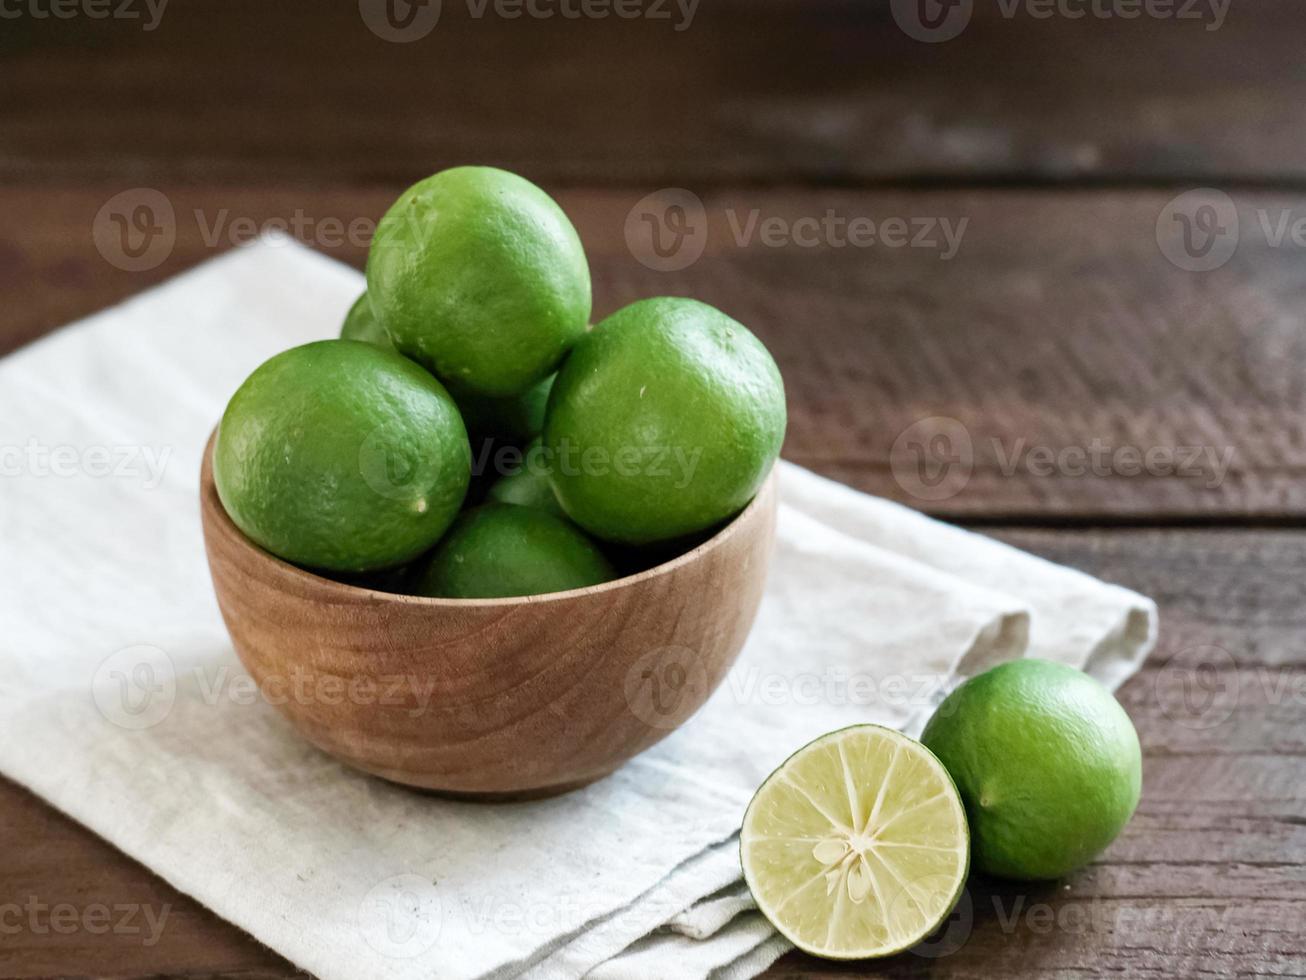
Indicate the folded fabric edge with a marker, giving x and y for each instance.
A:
(865, 517)
(601, 939)
(1122, 651)
(1006, 634)
(1005, 638)
(712, 914)
(650, 958)
(757, 961)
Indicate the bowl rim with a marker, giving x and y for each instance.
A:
(210, 502)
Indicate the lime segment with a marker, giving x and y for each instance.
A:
(857, 846)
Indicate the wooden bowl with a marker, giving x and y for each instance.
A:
(490, 697)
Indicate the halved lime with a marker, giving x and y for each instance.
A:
(857, 846)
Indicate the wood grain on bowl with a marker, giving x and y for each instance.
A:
(491, 697)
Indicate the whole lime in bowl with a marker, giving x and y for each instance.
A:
(664, 421)
(517, 417)
(1048, 764)
(341, 456)
(528, 485)
(478, 275)
(361, 324)
(499, 550)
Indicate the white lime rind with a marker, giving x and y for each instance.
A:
(857, 847)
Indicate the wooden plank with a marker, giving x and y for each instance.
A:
(1044, 934)
(1090, 377)
(750, 90)
(1208, 879)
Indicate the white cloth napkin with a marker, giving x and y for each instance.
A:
(122, 703)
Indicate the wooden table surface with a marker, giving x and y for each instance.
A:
(1113, 396)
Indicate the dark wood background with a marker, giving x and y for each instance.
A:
(1058, 324)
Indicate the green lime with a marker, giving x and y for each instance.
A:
(341, 456)
(664, 421)
(1047, 762)
(514, 417)
(361, 324)
(857, 846)
(529, 485)
(478, 275)
(497, 550)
